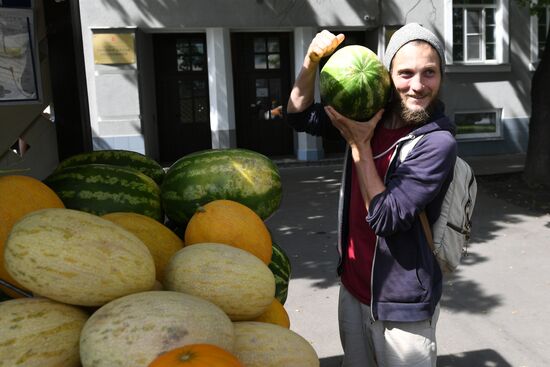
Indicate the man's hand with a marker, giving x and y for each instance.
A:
(323, 45)
(357, 134)
(302, 94)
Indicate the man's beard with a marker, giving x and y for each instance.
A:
(414, 117)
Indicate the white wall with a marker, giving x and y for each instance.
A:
(124, 115)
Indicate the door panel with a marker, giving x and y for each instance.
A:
(261, 69)
(183, 105)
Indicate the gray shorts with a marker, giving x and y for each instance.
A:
(369, 343)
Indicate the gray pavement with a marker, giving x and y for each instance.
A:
(494, 309)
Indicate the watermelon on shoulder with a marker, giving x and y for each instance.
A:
(241, 175)
(117, 157)
(355, 82)
(103, 188)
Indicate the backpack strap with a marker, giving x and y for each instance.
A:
(404, 151)
(427, 230)
(408, 141)
(407, 146)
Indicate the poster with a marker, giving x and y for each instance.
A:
(18, 63)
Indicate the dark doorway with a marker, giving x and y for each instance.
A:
(261, 75)
(183, 105)
(67, 76)
(352, 38)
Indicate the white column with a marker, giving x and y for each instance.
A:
(309, 148)
(220, 87)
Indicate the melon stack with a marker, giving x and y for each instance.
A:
(113, 284)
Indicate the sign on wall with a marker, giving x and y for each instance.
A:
(114, 48)
(19, 65)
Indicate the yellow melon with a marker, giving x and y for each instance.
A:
(235, 280)
(20, 195)
(38, 332)
(77, 258)
(159, 239)
(133, 330)
(231, 223)
(260, 344)
(275, 314)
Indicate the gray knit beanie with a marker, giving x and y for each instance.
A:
(408, 33)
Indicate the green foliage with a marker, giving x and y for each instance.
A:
(534, 5)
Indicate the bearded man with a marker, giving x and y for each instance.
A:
(391, 283)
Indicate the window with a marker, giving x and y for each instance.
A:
(268, 97)
(478, 124)
(193, 101)
(192, 79)
(191, 55)
(267, 53)
(384, 36)
(476, 32)
(539, 30)
(389, 30)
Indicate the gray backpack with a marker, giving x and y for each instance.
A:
(449, 235)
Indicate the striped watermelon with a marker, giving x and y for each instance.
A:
(124, 158)
(280, 267)
(355, 82)
(241, 175)
(102, 188)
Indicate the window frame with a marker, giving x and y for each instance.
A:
(498, 134)
(190, 78)
(384, 34)
(535, 58)
(502, 40)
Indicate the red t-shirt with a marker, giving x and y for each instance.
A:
(356, 275)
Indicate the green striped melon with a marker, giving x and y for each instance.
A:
(103, 188)
(77, 258)
(117, 157)
(241, 175)
(280, 267)
(38, 332)
(355, 82)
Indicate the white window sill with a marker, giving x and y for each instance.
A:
(478, 68)
(466, 139)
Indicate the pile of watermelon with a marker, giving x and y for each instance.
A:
(110, 181)
(111, 238)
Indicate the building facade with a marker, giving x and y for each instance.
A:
(169, 78)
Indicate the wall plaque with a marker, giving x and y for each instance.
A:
(114, 48)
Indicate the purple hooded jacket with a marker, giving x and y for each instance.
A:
(406, 279)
